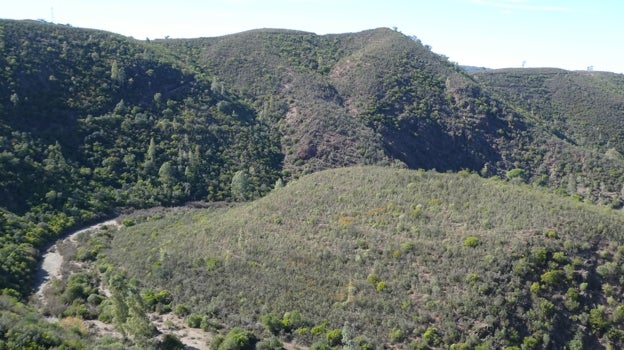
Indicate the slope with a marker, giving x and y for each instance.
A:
(582, 111)
(380, 97)
(92, 121)
(584, 107)
(370, 97)
(390, 257)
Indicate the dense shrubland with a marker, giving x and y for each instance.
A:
(391, 256)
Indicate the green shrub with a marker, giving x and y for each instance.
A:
(516, 174)
(432, 337)
(598, 320)
(397, 335)
(194, 320)
(171, 342)
(373, 279)
(182, 310)
(471, 241)
(551, 233)
(292, 320)
(334, 337)
(551, 278)
(529, 343)
(272, 343)
(272, 323)
(128, 222)
(319, 329)
(320, 346)
(215, 343)
(237, 339)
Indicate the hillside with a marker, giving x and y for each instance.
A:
(586, 108)
(93, 124)
(379, 97)
(392, 257)
(368, 97)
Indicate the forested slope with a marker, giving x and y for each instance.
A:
(93, 121)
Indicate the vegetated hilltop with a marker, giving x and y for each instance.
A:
(369, 97)
(383, 256)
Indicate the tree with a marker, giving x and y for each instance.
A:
(166, 175)
(117, 73)
(15, 99)
(149, 165)
(240, 187)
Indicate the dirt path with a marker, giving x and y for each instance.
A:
(53, 260)
(52, 268)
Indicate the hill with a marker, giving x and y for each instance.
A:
(389, 257)
(584, 107)
(368, 97)
(94, 123)
(380, 97)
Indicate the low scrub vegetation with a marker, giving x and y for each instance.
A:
(425, 260)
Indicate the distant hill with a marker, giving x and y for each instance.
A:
(585, 107)
(473, 68)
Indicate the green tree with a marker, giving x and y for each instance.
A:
(166, 175)
(240, 186)
(117, 72)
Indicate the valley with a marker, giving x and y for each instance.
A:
(277, 188)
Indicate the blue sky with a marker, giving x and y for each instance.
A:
(570, 34)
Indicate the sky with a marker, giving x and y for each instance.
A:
(568, 34)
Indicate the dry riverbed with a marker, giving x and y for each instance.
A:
(52, 268)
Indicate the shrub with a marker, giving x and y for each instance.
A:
(170, 342)
(270, 344)
(128, 222)
(320, 346)
(516, 174)
(182, 310)
(319, 329)
(373, 279)
(216, 342)
(237, 339)
(529, 343)
(471, 241)
(432, 337)
(194, 320)
(334, 337)
(551, 233)
(397, 336)
(551, 278)
(292, 320)
(272, 323)
(597, 319)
